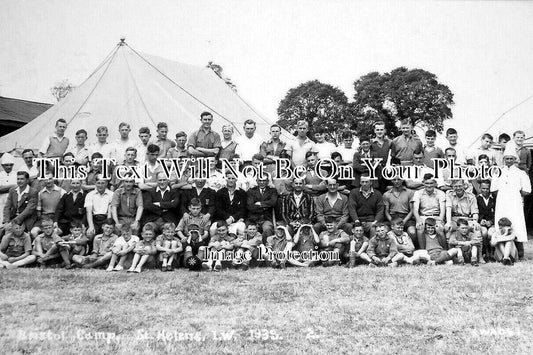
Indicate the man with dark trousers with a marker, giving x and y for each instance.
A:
(161, 204)
(206, 195)
(261, 201)
(365, 205)
(21, 203)
(230, 206)
(71, 208)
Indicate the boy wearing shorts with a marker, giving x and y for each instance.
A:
(382, 247)
(334, 240)
(358, 246)
(467, 241)
(102, 245)
(15, 248)
(221, 242)
(72, 244)
(246, 247)
(122, 248)
(279, 243)
(144, 249)
(168, 245)
(435, 245)
(44, 247)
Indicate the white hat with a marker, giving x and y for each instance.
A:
(510, 151)
(7, 159)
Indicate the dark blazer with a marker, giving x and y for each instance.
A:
(224, 208)
(207, 197)
(268, 202)
(359, 168)
(290, 212)
(67, 209)
(168, 210)
(23, 210)
(486, 211)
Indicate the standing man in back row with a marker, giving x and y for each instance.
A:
(404, 146)
(301, 145)
(204, 142)
(162, 141)
(249, 144)
(57, 144)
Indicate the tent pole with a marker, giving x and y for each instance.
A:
(183, 89)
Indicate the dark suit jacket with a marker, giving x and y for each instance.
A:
(224, 208)
(486, 212)
(268, 202)
(359, 168)
(24, 211)
(207, 197)
(67, 209)
(168, 210)
(291, 212)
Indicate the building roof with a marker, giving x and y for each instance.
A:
(21, 111)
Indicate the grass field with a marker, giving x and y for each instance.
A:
(446, 309)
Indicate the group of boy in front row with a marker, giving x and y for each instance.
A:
(197, 250)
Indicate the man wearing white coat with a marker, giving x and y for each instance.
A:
(512, 185)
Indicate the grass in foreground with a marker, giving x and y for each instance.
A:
(447, 309)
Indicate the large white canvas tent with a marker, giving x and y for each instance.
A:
(517, 117)
(141, 90)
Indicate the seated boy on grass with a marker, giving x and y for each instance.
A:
(194, 242)
(333, 240)
(434, 245)
(44, 247)
(246, 247)
(15, 248)
(122, 248)
(503, 242)
(196, 217)
(72, 244)
(382, 247)
(305, 242)
(404, 243)
(221, 242)
(358, 246)
(102, 245)
(144, 249)
(168, 245)
(278, 247)
(467, 241)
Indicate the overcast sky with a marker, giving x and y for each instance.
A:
(482, 50)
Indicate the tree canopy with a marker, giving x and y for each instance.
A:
(415, 94)
(321, 105)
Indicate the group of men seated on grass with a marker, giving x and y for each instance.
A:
(231, 220)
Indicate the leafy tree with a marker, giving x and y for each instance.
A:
(62, 89)
(321, 105)
(219, 72)
(415, 94)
